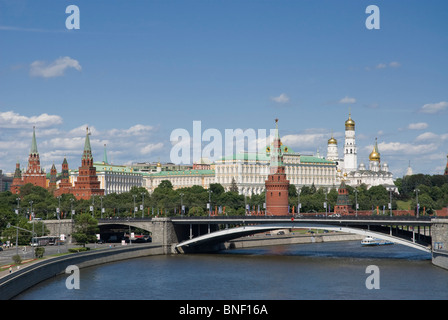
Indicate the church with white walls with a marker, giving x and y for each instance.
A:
(375, 174)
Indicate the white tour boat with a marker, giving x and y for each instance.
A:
(370, 241)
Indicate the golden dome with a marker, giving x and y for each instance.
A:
(375, 155)
(332, 140)
(159, 164)
(349, 124)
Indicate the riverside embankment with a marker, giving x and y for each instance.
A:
(31, 274)
(288, 238)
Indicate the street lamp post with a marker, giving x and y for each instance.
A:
(17, 236)
(390, 204)
(143, 204)
(18, 205)
(181, 204)
(134, 195)
(101, 198)
(418, 206)
(209, 202)
(31, 213)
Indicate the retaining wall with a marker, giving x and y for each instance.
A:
(28, 276)
(258, 241)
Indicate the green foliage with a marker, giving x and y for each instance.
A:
(17, 259)
(78, 249)
(39, 252)
(86, 228)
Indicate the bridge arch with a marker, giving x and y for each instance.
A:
(233, 233)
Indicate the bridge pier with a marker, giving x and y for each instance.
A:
(439, 233)
(58, 227)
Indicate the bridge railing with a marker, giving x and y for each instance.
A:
(322, 217)
(286, 217)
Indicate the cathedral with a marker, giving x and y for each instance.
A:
(373, 175)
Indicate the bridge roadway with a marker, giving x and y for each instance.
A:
(376, 226)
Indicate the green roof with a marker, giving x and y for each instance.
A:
(100, 167)
(182, 173)
(312, 159)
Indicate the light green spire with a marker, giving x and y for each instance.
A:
(276, 150)
(105, 155)
(87, 154)
(33, 143)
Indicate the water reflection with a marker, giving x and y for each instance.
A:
(305, 271)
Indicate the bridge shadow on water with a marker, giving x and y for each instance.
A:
(334, 250)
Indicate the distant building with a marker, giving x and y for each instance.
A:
(5, 182)
(179, 178)
(409, 171)
(250, 171)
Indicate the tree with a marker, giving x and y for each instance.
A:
(233, 186)
(86, 228)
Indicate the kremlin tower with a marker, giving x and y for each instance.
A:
(343, 206)
(277, 185)
(87, 183)
(33, 174)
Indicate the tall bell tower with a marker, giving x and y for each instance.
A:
(350, 149)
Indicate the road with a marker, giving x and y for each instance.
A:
(26, 252)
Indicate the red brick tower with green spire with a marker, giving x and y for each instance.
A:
(53, 178)
(87, 183)
(34, 174)
(64, 185)
(277, 185)
(17, 180)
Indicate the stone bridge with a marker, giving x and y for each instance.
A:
(184, 234)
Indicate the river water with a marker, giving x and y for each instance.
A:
(335, 270)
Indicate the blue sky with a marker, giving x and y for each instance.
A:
(137, 70)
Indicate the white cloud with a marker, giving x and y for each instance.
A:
(14, 120)
(54, 69)
(427, 136)
(151, 148)
(394, 64)
(347, 99)
(137, 129)
(418, 126)
(283, 98)
(400, 148)
(434, 107)
(305, 140)
(55, 142)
